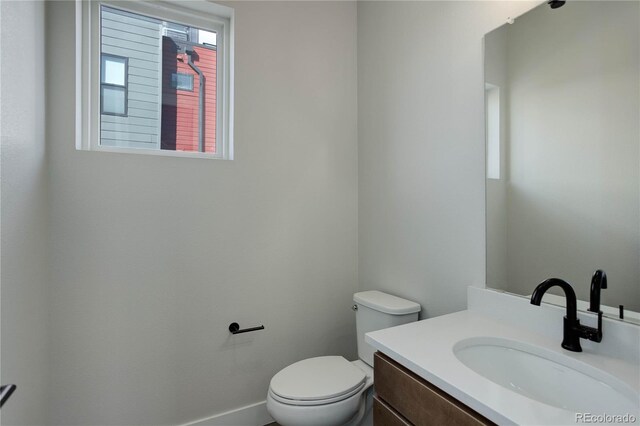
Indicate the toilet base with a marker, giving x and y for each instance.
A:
(365, 418)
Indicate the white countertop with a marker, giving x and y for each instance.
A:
(426, 348)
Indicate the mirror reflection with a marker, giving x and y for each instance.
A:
(563, 151)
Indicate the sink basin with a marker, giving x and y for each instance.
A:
(548, 377)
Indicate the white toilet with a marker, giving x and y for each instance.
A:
(329, 390)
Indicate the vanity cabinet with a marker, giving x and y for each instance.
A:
(404, 398)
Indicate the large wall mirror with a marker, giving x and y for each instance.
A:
(563, 151)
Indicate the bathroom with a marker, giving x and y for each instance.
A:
(353, 160)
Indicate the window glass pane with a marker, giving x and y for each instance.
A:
(163, 76)
(113, 100)
(207, 37)
(113, 70)
(182, 81)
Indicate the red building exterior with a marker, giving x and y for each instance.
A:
(182, 67)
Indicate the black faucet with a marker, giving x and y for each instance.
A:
(598, 282)
(573, 331)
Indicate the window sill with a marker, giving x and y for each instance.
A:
(161, 153)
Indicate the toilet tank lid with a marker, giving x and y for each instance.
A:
(386, 303)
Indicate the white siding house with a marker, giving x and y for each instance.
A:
(132, 42)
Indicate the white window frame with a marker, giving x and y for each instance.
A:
(201, 14)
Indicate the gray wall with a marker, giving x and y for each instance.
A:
(139, 40)
(153, 257)
(421, 147)
(24, 219)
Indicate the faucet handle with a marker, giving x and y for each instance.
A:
(591, 333)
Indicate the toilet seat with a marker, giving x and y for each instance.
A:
(303, 403)
(317, 381)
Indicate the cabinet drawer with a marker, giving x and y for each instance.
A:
(417, 400)
(385, 415)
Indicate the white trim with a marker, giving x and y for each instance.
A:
(160, 89)
(79, 128)
(231, 51)
(202, 14)
(158, 152)
(249, 415)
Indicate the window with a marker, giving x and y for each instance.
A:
(161, 81)
(182, 81)
(113, 85)
(492, 117)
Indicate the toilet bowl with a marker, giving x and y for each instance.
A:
(330, 390)
(322, 391)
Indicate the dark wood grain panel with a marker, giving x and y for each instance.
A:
(420, 402)
(383, 415)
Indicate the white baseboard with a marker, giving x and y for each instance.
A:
(249, 415)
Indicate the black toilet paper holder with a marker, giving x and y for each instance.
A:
(234, 328)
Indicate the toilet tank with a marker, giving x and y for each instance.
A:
(377, 310)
